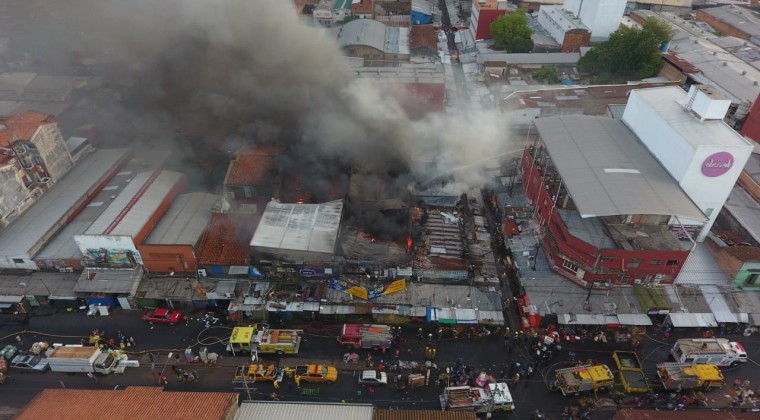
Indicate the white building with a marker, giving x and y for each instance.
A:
(603, 17)
(687, 134)
(558, 21)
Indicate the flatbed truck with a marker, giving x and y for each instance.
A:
(631, 374)
(78, 359)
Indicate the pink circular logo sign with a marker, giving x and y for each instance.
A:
(717, 164)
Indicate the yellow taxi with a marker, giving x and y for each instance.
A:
(315, 374)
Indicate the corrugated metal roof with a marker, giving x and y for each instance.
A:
(681, 319)
(719, 306)
(184, 221)
(745, 210)
(738, 17)
(299, 227)
(95, 280)
(370, 32)
(701, 268)
(25, 235)
(302, 411)
(134, 403)
(131, 210)
(608, 171)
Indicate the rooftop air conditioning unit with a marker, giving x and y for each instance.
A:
(201, 272)
(637, 281)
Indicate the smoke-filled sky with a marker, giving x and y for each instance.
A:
(253, 70)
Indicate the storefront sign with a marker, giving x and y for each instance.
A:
(717, 164)
(364, 293)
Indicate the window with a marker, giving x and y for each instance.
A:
(751, 280)
(672, 262)
(633, 263)
(18, 260)
(570, 266)
(606, 260)
(655, 262)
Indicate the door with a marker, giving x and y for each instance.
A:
(124, 302)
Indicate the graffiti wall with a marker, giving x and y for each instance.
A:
(108, 251)
(365, 293)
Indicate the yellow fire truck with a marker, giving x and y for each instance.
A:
(685, 376)
(250, 340)
(578, 379)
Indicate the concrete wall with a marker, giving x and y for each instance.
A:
(53, 150)
(13, 194)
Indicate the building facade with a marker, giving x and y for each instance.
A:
(687, 135)
(601, 16)
(582, 178)
(483, 13)
(566, 29)
(33, 156)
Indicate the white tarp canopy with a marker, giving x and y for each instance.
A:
(681, 319)
(587, 319)
(634, 319)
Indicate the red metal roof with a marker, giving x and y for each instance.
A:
(226, 239)
(22, 126)
(252, 165)
(133, 403)
(631, 414)
(382, 414)
(423, 36)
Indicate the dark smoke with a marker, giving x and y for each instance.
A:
(252, 72)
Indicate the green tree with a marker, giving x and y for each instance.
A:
(512, 33)
(629, 52)
(548, 75)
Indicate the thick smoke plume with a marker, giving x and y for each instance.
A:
(254, 72)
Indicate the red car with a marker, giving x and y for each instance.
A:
(162, 316)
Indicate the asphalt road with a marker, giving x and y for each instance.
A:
(319, 345)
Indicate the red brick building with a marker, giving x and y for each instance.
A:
(603, 203)
(484, 13)
(751, 126)
(575, 39)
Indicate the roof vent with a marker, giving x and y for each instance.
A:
(755, 83)
(744, 72)
(715, 53)
(725, 64)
